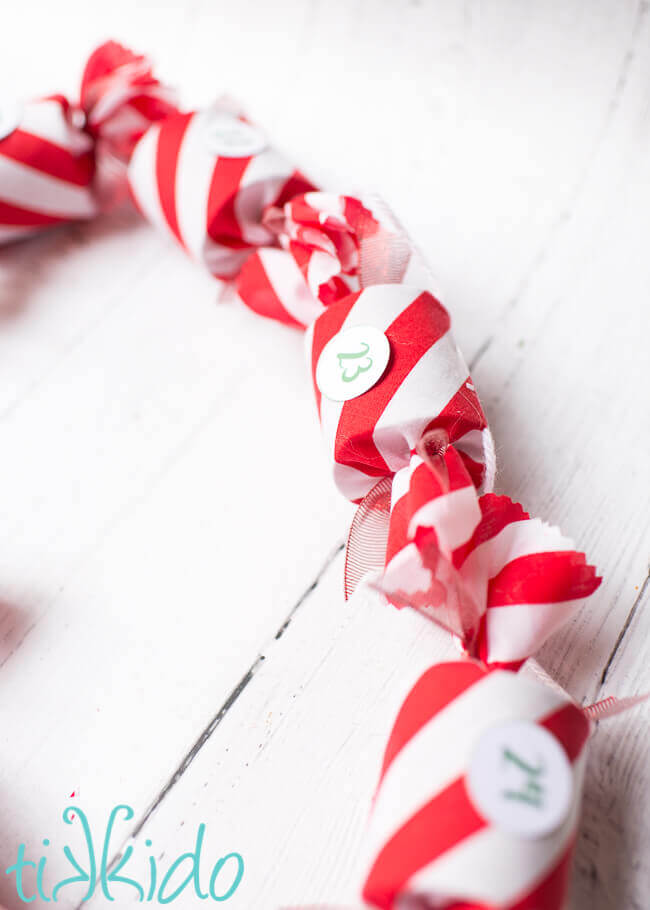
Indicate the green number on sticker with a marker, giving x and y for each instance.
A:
(533, 792)
(360, 368)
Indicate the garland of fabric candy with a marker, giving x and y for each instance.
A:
(478, 799)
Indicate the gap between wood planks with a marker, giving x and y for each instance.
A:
(223, 710)
(624, 630)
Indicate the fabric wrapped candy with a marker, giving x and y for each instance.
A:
(479, 566)
(425, 385)
(207, 178)
(478, 801)
(61, 161)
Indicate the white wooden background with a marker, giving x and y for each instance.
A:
(172, 627)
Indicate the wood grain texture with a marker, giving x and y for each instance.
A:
(172, 629)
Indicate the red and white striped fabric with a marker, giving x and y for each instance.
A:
(121, 98)
(479, 566)
(271, 284)
(322, 234)
(428, 843)
(427, 384)
(333, 245)
(51, 150)
(207, 178)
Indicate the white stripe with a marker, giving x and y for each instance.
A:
(440, 752)
(321, 268)
(454, 516)
(30, 189)
(327, 205)
(423, 394)
(194, 170)
(46, 120)
(260, 186)
(289, 285)
(142, 178)
(118, 94)
(519, 538)
(502, 869)
(402, 480)
(518, 630)
(479, 445)
(406, 571)
(378, 306)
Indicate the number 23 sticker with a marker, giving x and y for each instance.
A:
(352, 362)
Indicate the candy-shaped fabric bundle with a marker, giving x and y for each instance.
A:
(478, 565)
(478, 800)
(424, 383)
(207, 178)
(59, 161)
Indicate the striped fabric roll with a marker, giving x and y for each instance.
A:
(427, 384)
(444, 833)
(207, 178)
(47, 167)
(479, 566)
(51, 150)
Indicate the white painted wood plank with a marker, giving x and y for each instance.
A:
(612, 867)
(145, 473)
(288, 775)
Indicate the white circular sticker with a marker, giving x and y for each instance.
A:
(229, 137)
(10, 116)
(520, 779)
(352, 362)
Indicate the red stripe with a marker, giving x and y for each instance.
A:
(48, 158)
(223, 226)
(18, 217)
(543, 578)
(294, 186)
(256, 291)
(170, 139)
(570, 727)
(325, 328)
(435, 690)
(420, 841)
(152, 107)
(445, 473)
(411, 335)
(398, 529)
(496, 513)
(475, 469)
(461, 414)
